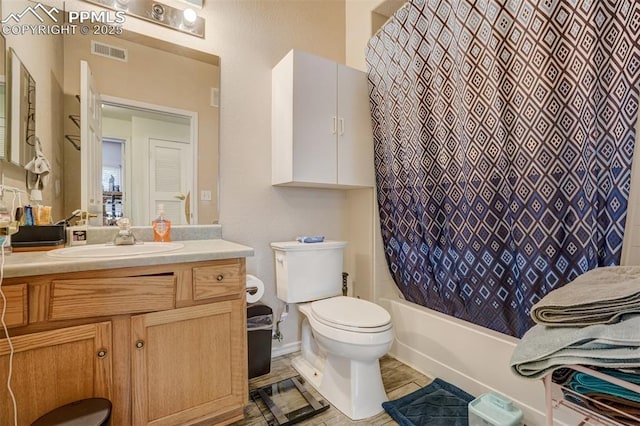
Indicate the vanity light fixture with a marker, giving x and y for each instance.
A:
(189, 17)
(184, 20)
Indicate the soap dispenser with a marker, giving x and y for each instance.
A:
(161, 226)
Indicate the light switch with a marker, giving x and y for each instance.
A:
(215, 97)
(205, 195)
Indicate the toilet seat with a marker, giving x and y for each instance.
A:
(351, 314)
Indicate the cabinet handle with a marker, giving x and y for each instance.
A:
(341, 126)
(102, 353)
(220, 277)
(140, 344)
(335, 125)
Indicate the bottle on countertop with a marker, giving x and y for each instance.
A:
(161, 226)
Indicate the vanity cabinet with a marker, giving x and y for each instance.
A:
(165, 343)
(55, 367)
(321, 124)
(185, 364)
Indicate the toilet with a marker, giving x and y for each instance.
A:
(342, 337)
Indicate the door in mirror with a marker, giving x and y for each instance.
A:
(90, 145)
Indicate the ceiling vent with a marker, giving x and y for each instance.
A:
(102, 49)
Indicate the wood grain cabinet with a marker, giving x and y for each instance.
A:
(166, 343)
(17, 309)
(53, 368)
(186, 363)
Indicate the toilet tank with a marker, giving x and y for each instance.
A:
(308, 271)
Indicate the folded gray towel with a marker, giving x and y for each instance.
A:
(543, 349)
(599, 296)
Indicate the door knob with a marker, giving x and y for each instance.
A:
(181, 197)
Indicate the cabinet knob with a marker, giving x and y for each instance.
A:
(102, 353)
(140, 344)
(220, 277)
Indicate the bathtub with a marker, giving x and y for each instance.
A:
(471, 357)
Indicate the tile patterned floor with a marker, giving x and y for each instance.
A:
(398, 378)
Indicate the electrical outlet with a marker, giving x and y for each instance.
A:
(205, 195)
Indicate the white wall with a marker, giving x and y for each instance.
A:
(631, 242)
(250, 37)
(42, 56)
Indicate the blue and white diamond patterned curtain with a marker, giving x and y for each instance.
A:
(504, 134)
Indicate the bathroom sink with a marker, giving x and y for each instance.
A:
(110, 250)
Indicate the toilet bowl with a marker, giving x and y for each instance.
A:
(342, 338)
(341, 361)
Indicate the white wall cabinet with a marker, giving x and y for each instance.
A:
(321, 124)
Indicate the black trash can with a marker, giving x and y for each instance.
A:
(87, 412)
(259, 329)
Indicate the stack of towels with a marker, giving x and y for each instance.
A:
(592, 321)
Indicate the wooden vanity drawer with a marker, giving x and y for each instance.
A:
(96, 297)
(17, 305)
(224, 278)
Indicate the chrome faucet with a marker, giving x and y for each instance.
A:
(124, 237)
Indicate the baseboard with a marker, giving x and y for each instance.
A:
(289, 348)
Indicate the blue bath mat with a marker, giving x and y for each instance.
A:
(437, 404)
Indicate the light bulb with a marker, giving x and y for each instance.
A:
(189, 16)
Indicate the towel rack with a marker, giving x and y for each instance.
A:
(555, 398)
(74, 139)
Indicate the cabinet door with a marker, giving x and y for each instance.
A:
(53, 368)
(355, 140)
(315, 120)
(304, 122)
(189, 364)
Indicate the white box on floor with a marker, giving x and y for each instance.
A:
(492, 409)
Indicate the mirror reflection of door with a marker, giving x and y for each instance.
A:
(113, 178)
(169, 179)
(157, 149)
(91, 145)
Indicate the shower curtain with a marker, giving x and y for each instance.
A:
(504, 134)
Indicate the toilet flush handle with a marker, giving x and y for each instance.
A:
(345, 288)
(280, 259)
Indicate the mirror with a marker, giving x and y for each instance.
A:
(136, 70)
(157, 168)
(22, 112)
(3, 98)
(160, 162)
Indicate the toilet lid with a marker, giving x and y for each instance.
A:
(350, 313)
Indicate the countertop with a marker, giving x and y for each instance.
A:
(38, 263)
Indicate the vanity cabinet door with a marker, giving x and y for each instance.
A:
(53, 368)
(190, 364)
